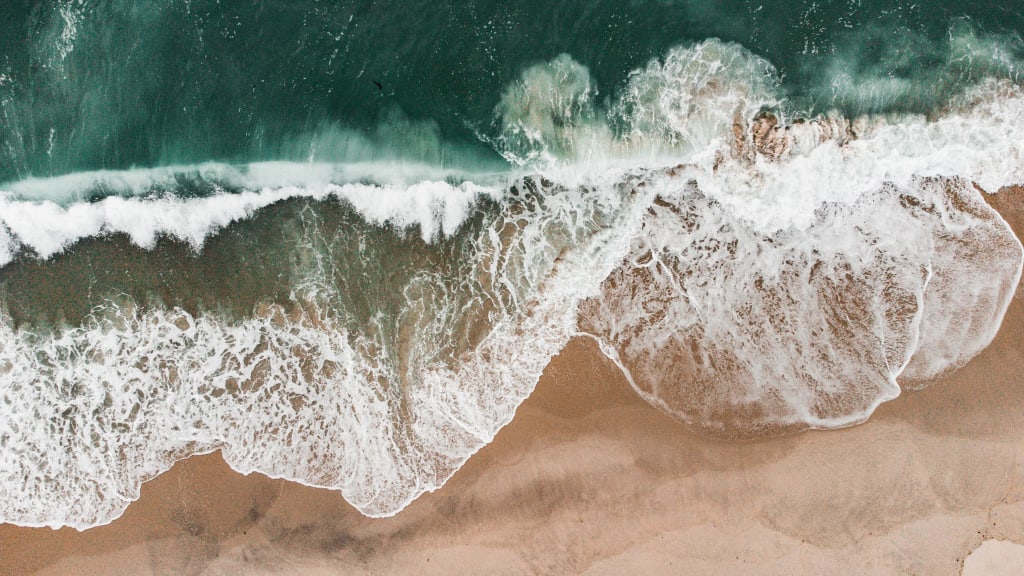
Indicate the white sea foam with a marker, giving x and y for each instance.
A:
(7, 247)
(48, 228)
(775, 276)
(70, 188)
(681, 107)
(738, 332)
(94, 410)
(696, 106)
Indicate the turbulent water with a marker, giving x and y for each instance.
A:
(340, 241)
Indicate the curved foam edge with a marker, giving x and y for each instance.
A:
(707, 315)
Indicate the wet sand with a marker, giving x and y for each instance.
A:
(590, 479)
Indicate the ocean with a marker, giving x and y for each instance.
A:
(340, 241)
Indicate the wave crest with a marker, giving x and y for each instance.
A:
(780, 274)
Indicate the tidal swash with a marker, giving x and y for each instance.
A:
(340, 241)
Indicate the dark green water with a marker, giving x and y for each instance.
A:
(117, 84)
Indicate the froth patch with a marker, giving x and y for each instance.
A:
(910, 70)
(976, 267)
(776, 174)
(7, 247)
(48, 227)
(719, 111)
(681, 106)
(430, 205)
(549, 115)
(691, 99)
(738, 332)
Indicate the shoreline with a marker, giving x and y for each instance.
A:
(589, 478)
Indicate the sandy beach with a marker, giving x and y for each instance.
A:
(589, 479)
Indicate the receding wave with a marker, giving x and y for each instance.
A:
(749, 271)
(738, 332)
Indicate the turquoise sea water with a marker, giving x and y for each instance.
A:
(340, 241)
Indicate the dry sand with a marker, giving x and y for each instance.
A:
(590, 479)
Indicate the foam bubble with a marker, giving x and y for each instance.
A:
(976, 266)
(212, 176)
(910, 70)
(423, 204)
